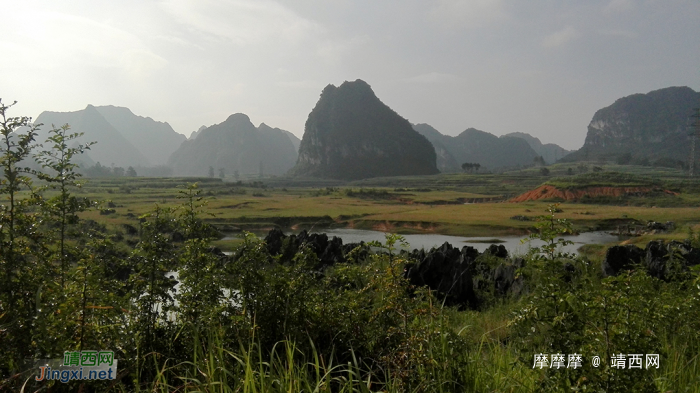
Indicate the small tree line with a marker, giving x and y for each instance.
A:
(471, 167)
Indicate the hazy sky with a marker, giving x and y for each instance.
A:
(537, 66)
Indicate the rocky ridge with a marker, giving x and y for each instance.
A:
(350, 134)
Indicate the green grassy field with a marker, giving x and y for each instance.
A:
(452, 204)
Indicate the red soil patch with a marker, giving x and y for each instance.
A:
(551, 192)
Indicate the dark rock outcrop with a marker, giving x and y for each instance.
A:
(449, 271)
(328, 251)
(456, 275)
(351, 134)
(498, 250)
(619, 258)
(665, 261)
(505, 280)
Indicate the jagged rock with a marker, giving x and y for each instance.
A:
(328, 251)
(498, 250)
(619, 258)
(655, 261)
(655, 258)
(503, 278)
(274, 239)
(448, 271)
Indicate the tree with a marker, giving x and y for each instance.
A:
(97, 170)
(118, 171)
(211, 171)
(539, 161)
(470, 167)
(18, 275)
(131, 172)
(544, 171)
(153, 257)
(62, 175)
(221, 173)
(548, 228)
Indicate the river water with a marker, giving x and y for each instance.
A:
(513, 244)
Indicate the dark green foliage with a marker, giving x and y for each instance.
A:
(471, 167)
(18, 238)
(351, 134)
(62, 176)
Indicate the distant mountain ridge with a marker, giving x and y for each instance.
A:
(123, 138)
(550, 151)
(650, 126)
(235, 145)
(154, 139)
(351, 134)
(475, 146)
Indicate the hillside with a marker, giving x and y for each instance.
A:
(154, 139)
(351, 134)
(475, 146)
(642, 128)
(549, 151)
(112, 147)
(235, 145)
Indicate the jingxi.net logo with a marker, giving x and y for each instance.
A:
(79, 365)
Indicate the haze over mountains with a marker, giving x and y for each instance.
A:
(550, 152)
(236, 146)
(124, 139)
(474, 146)
(351, 134)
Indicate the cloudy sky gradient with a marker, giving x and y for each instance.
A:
(541, 66)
